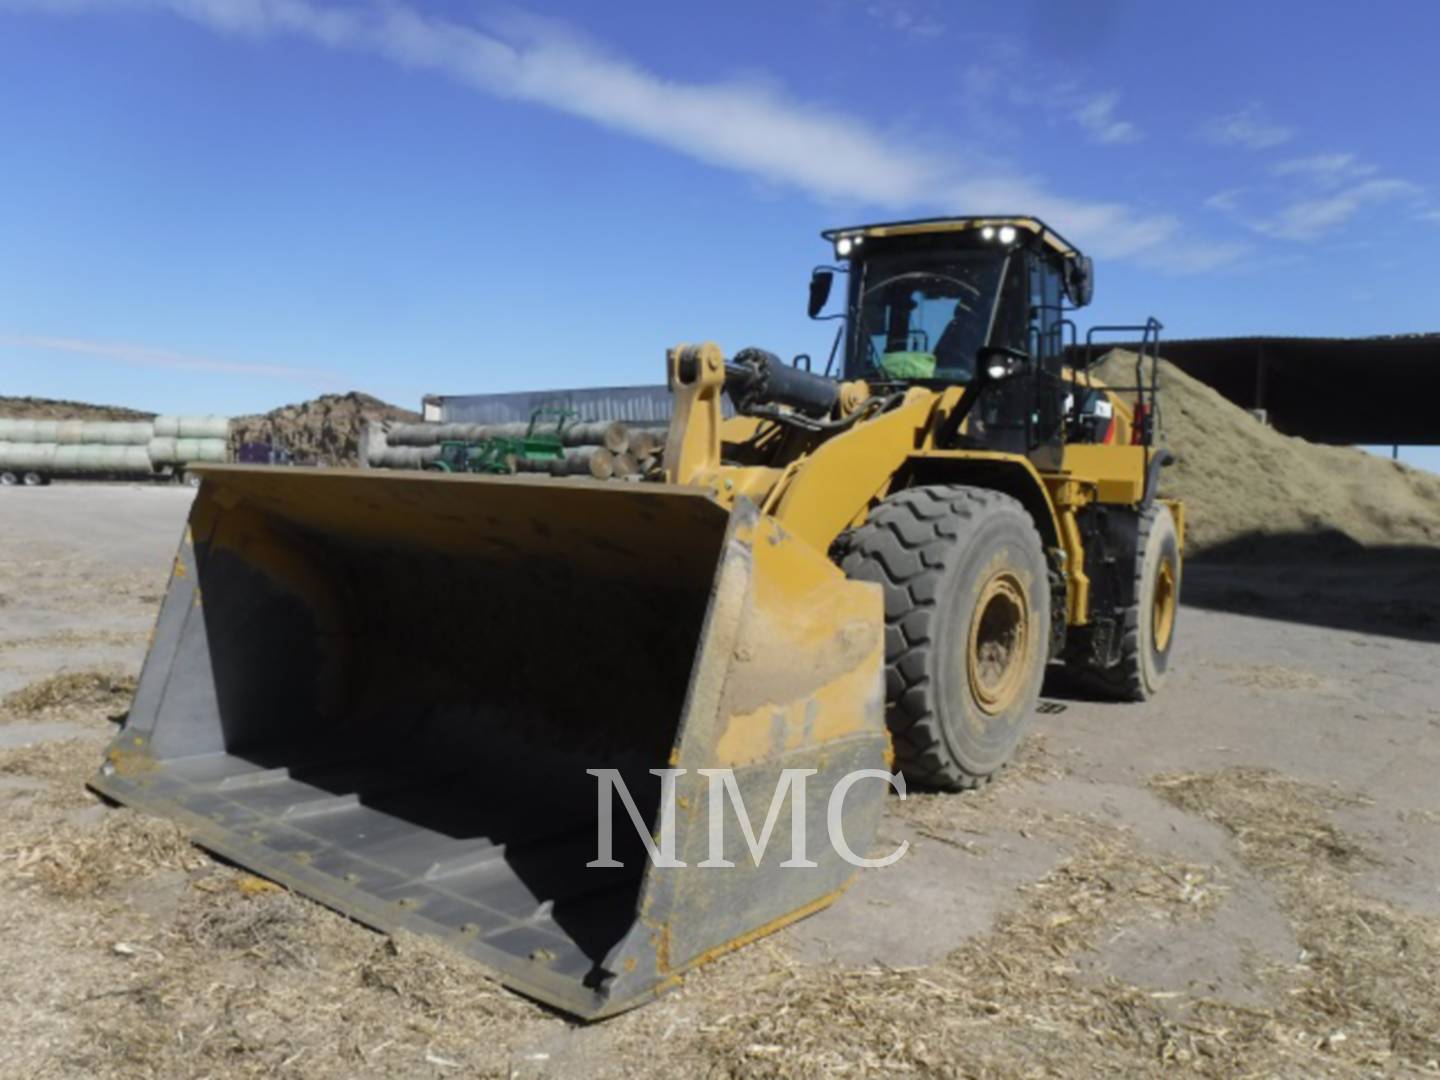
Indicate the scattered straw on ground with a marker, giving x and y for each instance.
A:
(51, 777)
(1272, 677)
(104, 691)
(1360, 998)
(253, 981)
(74, 860)
(1010, 1003)
(65, 761)
(259, 984)
(76, 639)
(1366, 986)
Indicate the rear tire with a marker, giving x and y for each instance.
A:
(34, 479)
(967, 627)
(1147, 626)
(8, 479)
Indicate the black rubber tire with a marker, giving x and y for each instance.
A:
(33, 479)
(1144, 664)
(933, 549)
(8, 479)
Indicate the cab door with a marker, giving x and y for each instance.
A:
(1046, 338)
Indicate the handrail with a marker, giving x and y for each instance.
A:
(1149, 349)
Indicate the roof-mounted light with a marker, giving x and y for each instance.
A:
(843, 247)
(1006, 234)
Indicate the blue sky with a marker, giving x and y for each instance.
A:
(220, 205)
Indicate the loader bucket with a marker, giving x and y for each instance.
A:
(394, 692)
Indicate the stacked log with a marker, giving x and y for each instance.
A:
(610, 434)
(402, 457)
(601, 449)
(594, 461)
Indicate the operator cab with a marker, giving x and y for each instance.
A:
(979, 302)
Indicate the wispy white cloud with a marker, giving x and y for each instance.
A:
(1249, 127)
(1326, 170)
(1097, 117)
(1227, 201)
(1430, 215)
(1311, 197)
(915, 18)
(1311, 218)
(1199, 257)
(148, 356)
(1007, 75)
(750, 126)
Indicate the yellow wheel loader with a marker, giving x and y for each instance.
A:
(543, 719)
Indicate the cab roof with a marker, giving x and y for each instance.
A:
(931, 226)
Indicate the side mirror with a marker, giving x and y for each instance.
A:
(1080, 280)
(996, 362)
(820, 283)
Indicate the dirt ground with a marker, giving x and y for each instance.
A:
(1241, 878)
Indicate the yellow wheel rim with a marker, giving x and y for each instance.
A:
(998, 653)
(1162, 607)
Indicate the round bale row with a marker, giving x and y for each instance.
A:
(58, 458)
(77, 432)
(64, 458)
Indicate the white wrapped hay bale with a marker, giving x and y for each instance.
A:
(26, 455)
(70, 432)
(161, 450)
(192, 427)
(125, 433)
(196, 451)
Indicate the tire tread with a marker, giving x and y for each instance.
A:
(908, 543)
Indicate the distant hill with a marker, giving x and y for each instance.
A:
(323, 431)
(33, 408)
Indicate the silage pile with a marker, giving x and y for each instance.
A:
(1251, 492)
(323, 431)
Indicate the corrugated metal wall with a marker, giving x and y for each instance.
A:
(633, 403)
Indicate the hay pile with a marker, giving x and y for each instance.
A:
(323, 431)
(1251, 492)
